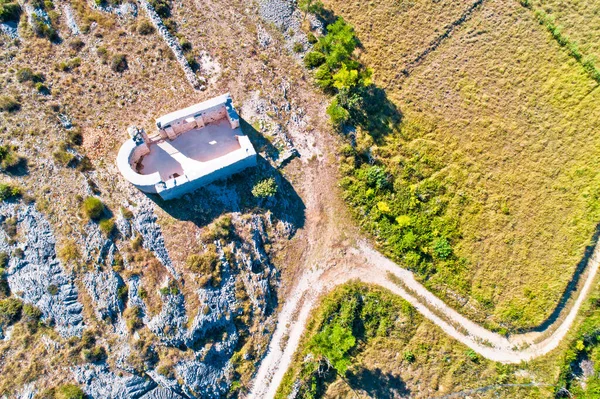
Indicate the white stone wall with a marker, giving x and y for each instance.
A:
(223, 173)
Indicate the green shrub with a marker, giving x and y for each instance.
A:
(93, 208)
(52, 289)
(314, 59)
(265, 188)
(220, 229)
(76, 44)
(298, 47)
(312, 39)
(9, 158)
(9, 104)
(133, 318)
(136, 242)
(42, 88)
(95, 355)
(338, 114)
(107, 226)
(192, 62)
(62, 156)
(145, 27)
(442, 248)
(203, 263)
(472, 355)
(10, 310)
(122, 293)
(27, 75)
(127, 214)
(409, 356)
(69, 391)
(185, 45)
(118, 63)
(69, 252)
(18, 253)
(9, 11)
(74, 136)
(31, 313)
(162, 7)
(102, 53)
(8, 191)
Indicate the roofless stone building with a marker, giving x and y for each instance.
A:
(191, 148)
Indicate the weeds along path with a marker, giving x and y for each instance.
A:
(376, 269)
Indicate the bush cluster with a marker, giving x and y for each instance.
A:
(265, 188)
(42, 28)
(118, 63)
(9, 104)
(9, 11)
(93, 208)
(347, 318)
(8, 191)
(9, 157)
(145, 27)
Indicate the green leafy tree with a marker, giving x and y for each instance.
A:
(334, 344)
(265, 188)
(338, 114)
(310, 6)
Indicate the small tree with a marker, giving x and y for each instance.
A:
(334, 344)
(312, 6)
(265, 188)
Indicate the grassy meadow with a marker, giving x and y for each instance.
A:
(497, 150)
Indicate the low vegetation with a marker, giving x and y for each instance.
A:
(93, 208)
(9, 191)
(9, 158)
(9, 104)
(9, 11)
(265, 188)
(363, 341)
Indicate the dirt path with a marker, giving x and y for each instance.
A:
(376, 269)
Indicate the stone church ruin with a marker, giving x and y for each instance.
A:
(192, 147)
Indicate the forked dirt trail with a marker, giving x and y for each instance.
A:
(333, 253)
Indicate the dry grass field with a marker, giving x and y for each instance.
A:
(510, 120)
(580, 20)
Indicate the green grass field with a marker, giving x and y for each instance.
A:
(499, 140)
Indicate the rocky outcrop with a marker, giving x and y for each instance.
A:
(38, 276)
(99, 382)
(103, 287)
(144, 222)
